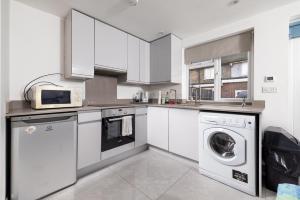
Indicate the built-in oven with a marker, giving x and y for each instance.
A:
(113, 128)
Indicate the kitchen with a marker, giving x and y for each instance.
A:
(151, 67)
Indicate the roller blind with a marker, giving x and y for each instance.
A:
(224, 47)
(295, 30)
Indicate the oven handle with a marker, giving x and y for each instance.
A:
(115, 119)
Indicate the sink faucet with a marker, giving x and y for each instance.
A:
(244, 102)
(175, 94)
(196, 95)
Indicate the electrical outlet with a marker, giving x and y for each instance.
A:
(269, 90)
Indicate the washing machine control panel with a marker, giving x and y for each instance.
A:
(229, 121)
(240, 123)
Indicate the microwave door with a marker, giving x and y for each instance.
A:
(56, 97)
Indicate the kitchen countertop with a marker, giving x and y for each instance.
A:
(234, 108)
(215, 107)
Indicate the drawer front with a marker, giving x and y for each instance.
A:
(141, 111)
(89, 116)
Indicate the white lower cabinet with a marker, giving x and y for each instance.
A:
(158, 128)
(89, 139)
(140, 127)
(183, 133)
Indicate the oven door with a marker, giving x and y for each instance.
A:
(112, 133)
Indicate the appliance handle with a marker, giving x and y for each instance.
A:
(43, 119)
(115, 119)
(48, 120)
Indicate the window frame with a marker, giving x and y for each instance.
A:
(200, 65)
(217, 63)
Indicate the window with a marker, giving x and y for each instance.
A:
(239, 69)
(202, 80)
(221, 79)
(234, 78)
(209, 73)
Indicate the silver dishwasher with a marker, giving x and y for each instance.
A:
(43, 154)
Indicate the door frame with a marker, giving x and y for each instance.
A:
(4, 73)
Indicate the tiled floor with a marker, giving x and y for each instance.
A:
(152, 175)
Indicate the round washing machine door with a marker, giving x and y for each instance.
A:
(226, 146)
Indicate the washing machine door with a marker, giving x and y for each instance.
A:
(225, 146)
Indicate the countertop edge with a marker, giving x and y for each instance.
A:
(217, 108)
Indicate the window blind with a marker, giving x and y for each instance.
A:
(223, 47)
(295, 30)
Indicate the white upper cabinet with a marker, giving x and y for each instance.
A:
(138, 71)
(110, 48)
(133, 70)
(183, 133)
(79, 30)
(176, 59)
(144, 62)
(166, 60)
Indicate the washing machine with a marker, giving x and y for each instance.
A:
(227, 149)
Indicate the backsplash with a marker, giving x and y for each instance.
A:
(128, 91)
(153, 90)
(101, 90)
(106, 90)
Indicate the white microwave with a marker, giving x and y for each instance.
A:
(49, 96)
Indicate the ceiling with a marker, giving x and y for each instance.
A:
(184, 18)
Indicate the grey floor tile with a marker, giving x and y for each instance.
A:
(152, 174)
(194, 186)
(270, 195)
(100, 186)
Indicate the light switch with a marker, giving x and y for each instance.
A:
(269, 90)
(269, 79)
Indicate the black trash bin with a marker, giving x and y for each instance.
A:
(281, 153)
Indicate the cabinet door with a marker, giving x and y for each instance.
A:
(144, 62)
(140, 130)
(176, 58)
(89, 144)
(183, 133)
(158, 127)
(133, 70)
(160, 60)
(80, 46)
(110, 47)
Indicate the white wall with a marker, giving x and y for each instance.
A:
(36, 48)
(271, 57)
(4, 35)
